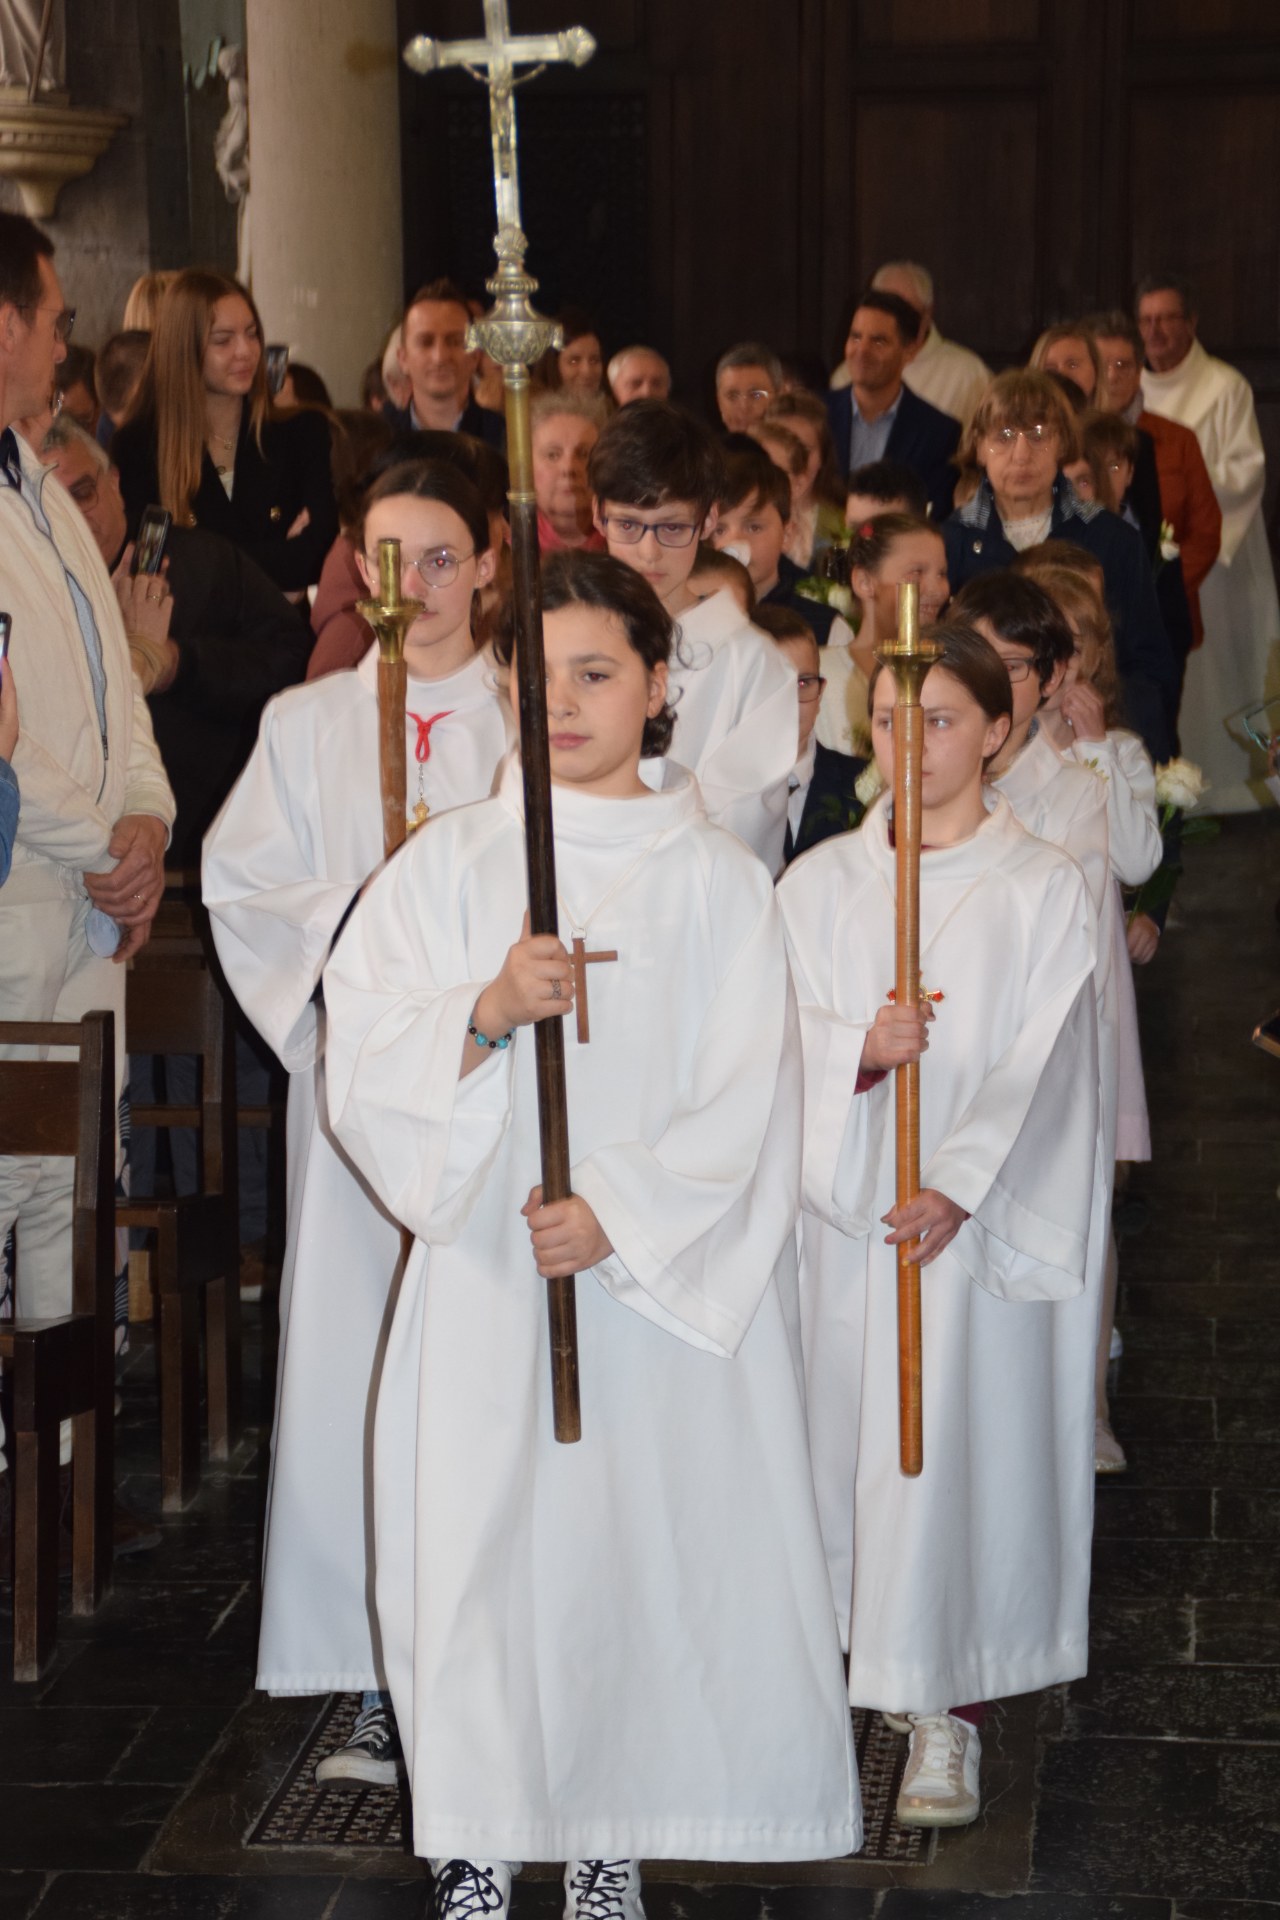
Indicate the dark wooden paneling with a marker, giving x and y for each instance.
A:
(936, 23)
(1173, 20)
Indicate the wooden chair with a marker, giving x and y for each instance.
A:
(174, 1006)
(63, 1368)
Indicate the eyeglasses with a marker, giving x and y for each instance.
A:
(64, 318)
(1018, 670)
(434, 566)
(811, 685)
(667, 533)
(1008, 437)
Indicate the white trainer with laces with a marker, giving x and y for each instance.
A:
(471, 1889)
(602, 1890)
(940, 1783)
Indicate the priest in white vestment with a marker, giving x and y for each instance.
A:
(1239, 664)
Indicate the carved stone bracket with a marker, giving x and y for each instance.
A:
(45, 144)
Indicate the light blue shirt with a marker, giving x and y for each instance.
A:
(869, 438)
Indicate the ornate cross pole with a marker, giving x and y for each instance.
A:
(516, 337)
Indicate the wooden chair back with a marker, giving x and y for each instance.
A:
(174, 1006)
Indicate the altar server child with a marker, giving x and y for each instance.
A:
(655, 474)
(822, 798)
(567, 1628)
(296, 840)
(887, 551)
(971, 1581)
(1083, 720)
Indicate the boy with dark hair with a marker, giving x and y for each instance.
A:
(821, 798)
(655, 475)
(884, 486)
(116, 378)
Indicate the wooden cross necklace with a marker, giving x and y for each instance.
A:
(578, 939)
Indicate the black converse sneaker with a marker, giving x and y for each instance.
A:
(471, 1889)
(370, 1758)
(602, 1890)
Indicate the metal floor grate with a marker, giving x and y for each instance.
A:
(301, 1814)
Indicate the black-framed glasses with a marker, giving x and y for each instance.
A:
(64, 318)
(811, 685)
(667, 533)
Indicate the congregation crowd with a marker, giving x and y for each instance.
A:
(645, 1644)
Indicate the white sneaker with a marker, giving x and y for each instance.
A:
(1108, 1454)
(469, 1889)
(897, 1722)
(602, 1890)
(940, 1784)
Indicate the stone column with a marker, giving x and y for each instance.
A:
(324, 150)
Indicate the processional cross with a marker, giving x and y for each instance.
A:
(516, 338)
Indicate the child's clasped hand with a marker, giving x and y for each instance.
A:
(567, 1237)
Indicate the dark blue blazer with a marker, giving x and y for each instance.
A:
(482, 423)
(816, 612)
(1149, 670)
(830, 806)
(922, 437)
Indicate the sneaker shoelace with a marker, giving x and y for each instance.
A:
(464, 1890)
(941, 1753)
(599, 1888)
(371, 1729)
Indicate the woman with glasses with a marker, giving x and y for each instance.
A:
(1011, 456)
(203, 440)
(284, 861)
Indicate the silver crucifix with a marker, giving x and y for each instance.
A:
(493, 61)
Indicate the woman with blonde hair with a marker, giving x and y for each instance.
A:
(143, 304)
(1021, 436)
(1071, 350)
(203, 440)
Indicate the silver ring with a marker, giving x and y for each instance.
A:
(555, 989)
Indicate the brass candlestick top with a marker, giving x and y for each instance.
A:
(908, 657)
(390, 615)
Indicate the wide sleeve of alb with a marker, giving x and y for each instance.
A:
(1134, 846)
(699, 1217)
(1021, 1159)
(273, 911)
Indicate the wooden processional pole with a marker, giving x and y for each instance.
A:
(516, 337)
(391, 616)
(909, 659)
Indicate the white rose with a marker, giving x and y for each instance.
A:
(840, 598)
(1180, 784)
(869, 784)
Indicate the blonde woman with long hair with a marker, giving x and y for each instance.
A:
(203, 440)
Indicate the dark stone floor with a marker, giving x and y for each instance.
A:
(1149, 1791)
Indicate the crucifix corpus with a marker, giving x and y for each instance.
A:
(909, 659)
(516, 337)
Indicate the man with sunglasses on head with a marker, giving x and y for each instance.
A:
(88, 859)
(655, 474)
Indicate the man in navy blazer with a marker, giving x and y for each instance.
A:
(877, 417)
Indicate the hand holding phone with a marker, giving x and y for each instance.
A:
(148, 549)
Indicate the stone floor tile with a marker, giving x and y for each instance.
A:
(1186, 1569)
(1140, 1633)
(19, 1893)
(145, 1896)
(173, 1746)
(1237, 1633)
(1159, 1416)
(61, 1745)
(141, 1676)
(1177, 1703)
(101, 1827)
(1240, 1515)
(1144, 1513)
(1217, 1463)
(1144, 1850)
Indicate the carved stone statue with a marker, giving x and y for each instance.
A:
(231, 150)
(20, 23)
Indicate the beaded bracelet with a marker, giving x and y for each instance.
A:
(483, 1040)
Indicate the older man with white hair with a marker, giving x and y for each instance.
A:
(947, 375)
(639, 373)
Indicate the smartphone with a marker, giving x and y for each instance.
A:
(148, 549)
(277, 367)
(5, 624)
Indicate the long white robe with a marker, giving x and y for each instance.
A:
(737, 721)
(622, 1647)
(972, 1581)
(1134, 849)
(299, 834)
(1239, 662)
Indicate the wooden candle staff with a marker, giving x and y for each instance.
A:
(909, 659)
(391, 616)
(516, 337)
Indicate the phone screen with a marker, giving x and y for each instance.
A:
(277, 367)
(148, 549)
(5, 624)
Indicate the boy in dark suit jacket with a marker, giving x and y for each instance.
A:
(822, 800)
(877, 417)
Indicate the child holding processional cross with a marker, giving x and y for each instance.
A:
(567, 1628)
(299, 835)
(970, 1581)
